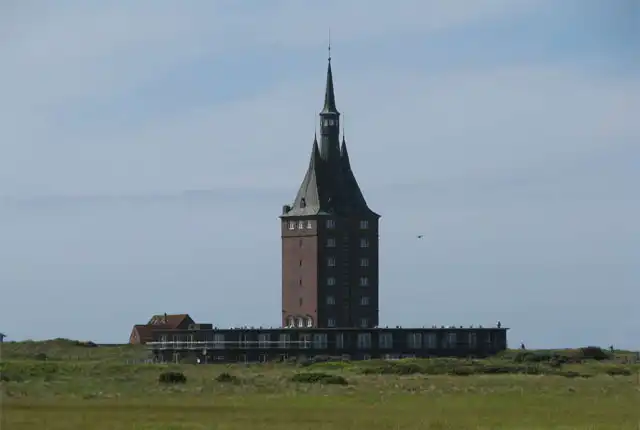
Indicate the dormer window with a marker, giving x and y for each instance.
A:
(303, 203)
(301, 225)
(292, 225)
(331, 122)
(326, 122)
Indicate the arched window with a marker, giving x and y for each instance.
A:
(300, 322)
(309, 322)
(290, 322)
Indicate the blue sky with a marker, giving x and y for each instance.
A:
(502, 130)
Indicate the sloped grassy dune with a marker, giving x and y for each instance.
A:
(72, 385)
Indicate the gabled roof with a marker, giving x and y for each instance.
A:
(169, 320)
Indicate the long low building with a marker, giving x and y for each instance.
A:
(207, 344)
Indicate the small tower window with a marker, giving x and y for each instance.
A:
(292, 225)
(331, 243)
(331, 322)
(331, 223)
(301, 225)
(331, 300)
(309, 225)
(309, 322)
(364, 281)
(326, 122)
(364, 301)
(331, 281)
(303, 202)
(331, 122)
(300, 322)
(290, 322)
(364, 224)
(364, 243)
(331, 262)
(364, 262)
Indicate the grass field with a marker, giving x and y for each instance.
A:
(85, 388)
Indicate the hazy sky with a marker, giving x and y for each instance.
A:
(505, 131)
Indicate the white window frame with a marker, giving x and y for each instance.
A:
(364, 224)
(364, 322)
(284, 341)
(320, 341)
(385, 340)
(309, 225)
(364, 242)
(364, 301)
(364, 281)
(331, 300)
(331, 281)
(292, 225)
(331, 242)
(414, 340)
(300, 225)
(331, 262)
(300, 322)
(309, 322)
(364, 262)
(331, 322)
(331, 223)
(364, 341)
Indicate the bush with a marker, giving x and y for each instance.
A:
(40, 356)
(172, 378)
(619, 371)
(593, 353)
(319, 378)
(226, 377)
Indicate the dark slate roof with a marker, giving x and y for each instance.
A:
(329, 187)
(329, 93)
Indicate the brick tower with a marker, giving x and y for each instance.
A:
(329, 238)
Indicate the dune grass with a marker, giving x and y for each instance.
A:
(79, 387)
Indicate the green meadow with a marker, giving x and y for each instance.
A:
(68, 385)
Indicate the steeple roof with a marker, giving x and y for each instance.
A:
(329, 186)
(329, 93)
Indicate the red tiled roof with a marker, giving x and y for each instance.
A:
(171, 321)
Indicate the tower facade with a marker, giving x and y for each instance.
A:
(329, 238)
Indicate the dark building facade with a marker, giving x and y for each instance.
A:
(329, 238)
(211, 345)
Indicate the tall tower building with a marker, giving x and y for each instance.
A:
(329, 238)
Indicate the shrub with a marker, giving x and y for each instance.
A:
(226, 377)
(172, 378)
(618, 371)
(593, 353)
(40, 356)
(319, 378)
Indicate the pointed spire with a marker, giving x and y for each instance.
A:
(329, 95)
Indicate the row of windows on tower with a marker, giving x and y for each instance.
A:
(308, 322)
(330, 224)
(328, 122)
(331, 262)
(364, 281)
(364, 301)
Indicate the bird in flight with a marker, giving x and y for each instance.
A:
(420, 236)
